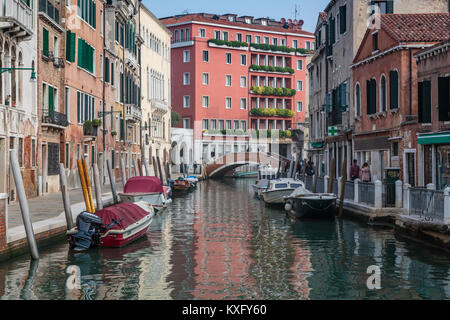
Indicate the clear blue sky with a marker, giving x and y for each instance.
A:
(308, 9)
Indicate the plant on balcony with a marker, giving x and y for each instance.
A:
(255, 67)
(234, 44)
(88, 125)
(271, 91)
(269, 133)
(97, 122)
(272, 112)
(304, 51)
(268, 47)
(113, 133)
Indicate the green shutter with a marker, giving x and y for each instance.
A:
(94, 15)
(444, 98)
(45, 41)
(73, 39)
(78, 108)
(80, 52)
(51, 103)
(393, 89)
(122, 129)
(368, 95)
(343, 18)
(427, 101)
(420, 101)
(68, 45)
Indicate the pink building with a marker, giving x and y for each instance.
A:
(220, 82)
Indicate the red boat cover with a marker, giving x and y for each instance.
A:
(129, 212)
(143, 185)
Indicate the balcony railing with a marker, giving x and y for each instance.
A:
(132, 113)
(90, 130)
(334, 117)
(54, 118)
(160, 106)
(130, 59)
(17, 16)
(49, 9)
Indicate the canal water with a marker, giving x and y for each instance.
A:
(219, 242)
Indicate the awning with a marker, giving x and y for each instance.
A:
(435, 138)
(317, 144)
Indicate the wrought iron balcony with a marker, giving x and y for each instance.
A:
(16, 19)
(132, 113)
(90, 130)
(54, 118)
(46, 7)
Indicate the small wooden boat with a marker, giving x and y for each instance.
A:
(246, 174)
(280, 188)
(314, 205)
(181, 186)
(114, 226)
(146, 189)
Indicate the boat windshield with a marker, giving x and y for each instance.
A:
(296, 185)
(281, 185)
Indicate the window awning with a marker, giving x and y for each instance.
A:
(435, 138)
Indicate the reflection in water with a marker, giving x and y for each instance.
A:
(220, 243)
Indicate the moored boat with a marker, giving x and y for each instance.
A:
(280, 188)
(114, 226)
(246, 174)
(314, 205)
(181, 186)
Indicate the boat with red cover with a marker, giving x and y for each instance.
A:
(114, 226)
(147, 189)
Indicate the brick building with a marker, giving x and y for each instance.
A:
(385, 91)
(433, 76)
(220, 83)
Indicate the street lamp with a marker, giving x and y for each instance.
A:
(33, 73)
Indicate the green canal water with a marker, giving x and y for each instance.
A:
(219, 242)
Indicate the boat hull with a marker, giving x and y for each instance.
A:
(313, 207)
(276, 196)
(157, 200)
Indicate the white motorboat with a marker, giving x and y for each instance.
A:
(259, 186)
(280, 188)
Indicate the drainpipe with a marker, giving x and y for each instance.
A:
(103, 96)
(410, 81)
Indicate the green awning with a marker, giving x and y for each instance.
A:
(435, 138)
(317, 144)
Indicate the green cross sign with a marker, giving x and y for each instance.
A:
(332, 131)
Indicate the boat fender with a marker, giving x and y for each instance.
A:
(288, 206)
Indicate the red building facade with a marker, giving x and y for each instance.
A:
(227, 70)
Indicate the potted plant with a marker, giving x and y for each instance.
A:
(113, 133)
(97, 122)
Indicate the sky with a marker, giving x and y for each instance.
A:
(308, 9)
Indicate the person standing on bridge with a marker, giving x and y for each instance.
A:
(354, 170)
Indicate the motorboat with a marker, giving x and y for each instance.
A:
(181, 185)
(259, 186)
(313, 205)
(267, 172)
(279, 188)
(245, 174)
(114, 226)
(193, 180)
(147, 189)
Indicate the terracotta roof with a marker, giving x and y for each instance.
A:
(203, 17)
(421, 27)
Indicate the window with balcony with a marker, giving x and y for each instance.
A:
(87, 11)
(239, 37)
(228, 123)
(295, 44)
(217, 35)
(225, 36)
(85, 107)
(243, 125)
(248, 38)
(257, 39)
(266, 40)
(275, 41)
(221, 125)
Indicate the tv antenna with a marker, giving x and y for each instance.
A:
(297, 11)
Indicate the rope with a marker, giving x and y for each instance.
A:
(307, 204)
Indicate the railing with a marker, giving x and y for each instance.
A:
(334, 117)
(132, 112)
(90, 131)
(319, 185)
(349, 193)
(426, 203)
(18, 10)
(366, 192)
(309, 183)
(49, 9)
(54, 117)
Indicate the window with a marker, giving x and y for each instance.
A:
(33, 152)
(300, 85)
(244, 125)
(67, 155)
(299, 106)
(283, 42)
(258, 39)
(275, 41)
(86, 56)
(308, 45)
(383, 6)
(266, 40)
(248, 20)
(186, 78)
(70, 46)
(358, 100)
(202, 33)
(221, 125)
(188, 34)
(205, 102)
(375, 41)
(299, 64)
(87, 11)
(424, 100)
(228, 103)
(182, 35)
(243, 103)
(243, 60)
(248, 38)
(228, 80)
(213, 124)
(444, 98)
(228, 58)
(85, 107)
(236, 124)
(228, 122)
(395, 149)
(371, 96)
(205, 56)
(186, 123)
(217, 35)
(343, 19)
(186, 101)
(383, 94)
(393, 89)
(186, 56)
(175, 36)
(294, 44)
(239, 37)
(205, 78)
(45, 46)
(205, 124)
(243, 82)
(67, 101)
(20, 152)
(225, 36)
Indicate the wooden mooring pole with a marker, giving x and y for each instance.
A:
(98, 188)
(111, 180)
(332, 173)
(343, 180)
(316, 173)
(65, 196)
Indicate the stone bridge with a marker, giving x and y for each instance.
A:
(220, 166)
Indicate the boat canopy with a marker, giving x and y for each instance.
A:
(125, 214)
(143, 185)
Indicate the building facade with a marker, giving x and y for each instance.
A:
(433, 87)
(339, 32)
(18, 103)
(156, 84)
(385, 76)
(238, 74)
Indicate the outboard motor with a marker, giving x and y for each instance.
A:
(88, 234)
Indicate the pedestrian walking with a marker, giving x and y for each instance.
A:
(354, 170)
(364, 174)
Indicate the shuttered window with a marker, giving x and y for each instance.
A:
(45, 42)
(343, 19)
(424, 97)
(122, 129)
(444, 98)
(332, 30)
(51, 97)
(371, 96)
(87, 10)
(70, 46)
(390, 6)
(393, 89)
(85, 56)
(106, 69)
